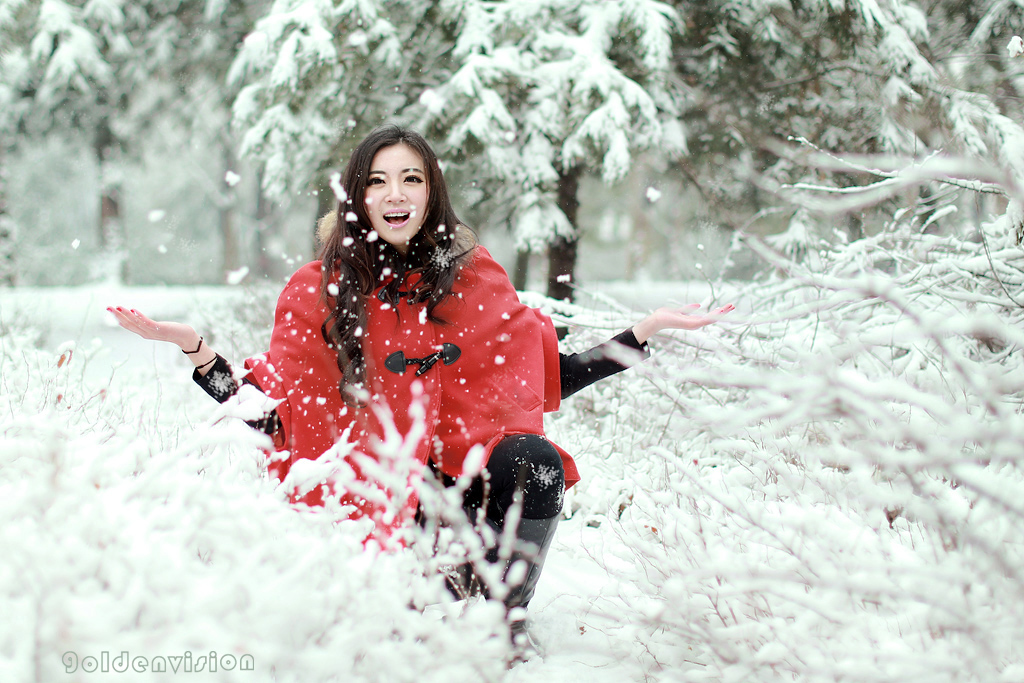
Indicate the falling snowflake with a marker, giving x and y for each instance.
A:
(335, 184)
(222, 383)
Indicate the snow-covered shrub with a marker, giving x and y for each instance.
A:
(829, 488)
(239, 325)
(124, 533)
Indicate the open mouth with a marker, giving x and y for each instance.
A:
(396, 217)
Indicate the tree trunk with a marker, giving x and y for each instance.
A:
(111, 231)
(522, 269)
(563, 251)
(112, 235)
(231, 259)
(7, 231)
(110, 215)
(638, 248)
(264, 226)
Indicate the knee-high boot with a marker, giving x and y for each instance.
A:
(523, 568)
(533, 538)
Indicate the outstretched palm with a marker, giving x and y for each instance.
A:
(133, 321)
(685, 319)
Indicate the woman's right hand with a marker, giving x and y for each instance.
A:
(176, 333)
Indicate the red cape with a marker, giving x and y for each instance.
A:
(505, 376)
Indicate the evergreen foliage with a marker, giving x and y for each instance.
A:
(110, 72)
(860, 77)
(546, 92)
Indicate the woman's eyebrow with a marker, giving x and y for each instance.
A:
(413, 169)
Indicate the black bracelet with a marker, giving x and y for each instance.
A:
(209, 362)
(189, 353)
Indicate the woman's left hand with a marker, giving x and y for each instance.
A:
(684, 318)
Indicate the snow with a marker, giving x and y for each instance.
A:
(824, 486)
(236, 276)
(432, 101)
(1015, 47)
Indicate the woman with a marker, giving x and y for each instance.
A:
(406, 327)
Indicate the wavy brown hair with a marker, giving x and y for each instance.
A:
(357, 267)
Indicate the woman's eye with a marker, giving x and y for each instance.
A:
(414, 179)
(375, 181)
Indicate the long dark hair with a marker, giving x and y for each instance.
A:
(353, 267)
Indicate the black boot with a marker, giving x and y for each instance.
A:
(461, 581)
(532, 540)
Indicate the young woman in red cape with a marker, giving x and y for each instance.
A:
(407, 326)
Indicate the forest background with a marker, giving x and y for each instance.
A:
(135, 138)
(827, 486)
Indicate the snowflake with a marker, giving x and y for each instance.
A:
(222, 383)
(442, 258)
(545, 476)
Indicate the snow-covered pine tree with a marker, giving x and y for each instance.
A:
(547, 92)
(106, 71)
(864, 76)
(62, 65)
(187, 50)
(971, 43)
(316, 75)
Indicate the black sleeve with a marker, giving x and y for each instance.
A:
(580, 370)
(220, 383)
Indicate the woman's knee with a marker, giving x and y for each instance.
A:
(531, 464)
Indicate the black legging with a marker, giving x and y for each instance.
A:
(525, 461)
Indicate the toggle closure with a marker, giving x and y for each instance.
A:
(397, 362)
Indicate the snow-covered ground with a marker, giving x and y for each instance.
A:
(825, 488)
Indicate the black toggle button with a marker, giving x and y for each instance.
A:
(397, 362)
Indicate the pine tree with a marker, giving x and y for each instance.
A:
(315, 76)
(62, 67)
(188, 50)
(547, 92)
(848, 77)
(107, 71)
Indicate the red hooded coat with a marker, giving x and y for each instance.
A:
(495, 372)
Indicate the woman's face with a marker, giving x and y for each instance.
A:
(396, 195)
